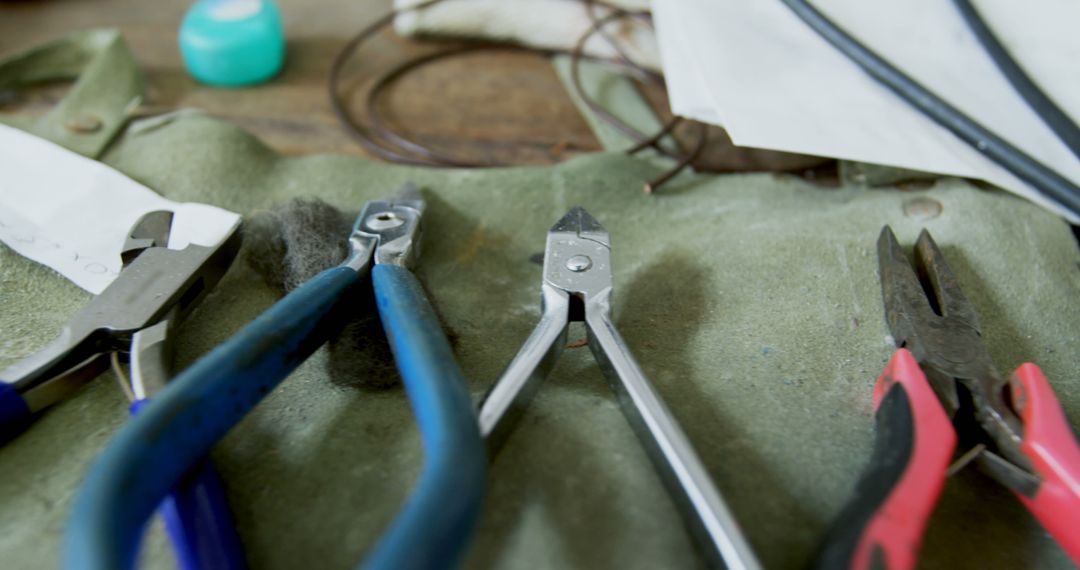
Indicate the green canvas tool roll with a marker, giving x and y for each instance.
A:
(751, 301)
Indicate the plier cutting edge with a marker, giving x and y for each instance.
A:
(155, 282)
(183, 422)
(577, 286)
(940, 386)
(133, 317)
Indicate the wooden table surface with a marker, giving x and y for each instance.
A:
(505, 106)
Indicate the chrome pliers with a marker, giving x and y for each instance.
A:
(132, 318)
(180, 426)
(577, 286)
(941, 387)
(154, 284)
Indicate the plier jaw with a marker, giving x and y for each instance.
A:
(155, 282)
(577, 264)
(929, 315)
(151, 230)
(388, 231)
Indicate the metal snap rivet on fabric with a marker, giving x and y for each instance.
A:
(922, 208)
(83, 123)
(578, 263)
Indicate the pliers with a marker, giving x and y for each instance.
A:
(577, 286)
(156, 288)
(154, 282)
(941, 386)
(167, 437)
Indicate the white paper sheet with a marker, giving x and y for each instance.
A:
(686, 88)
(74, 214)
(776, 84)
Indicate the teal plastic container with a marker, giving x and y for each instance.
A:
(232, 43)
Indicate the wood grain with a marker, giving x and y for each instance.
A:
(492, 105)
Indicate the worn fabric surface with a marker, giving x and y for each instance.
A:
(751, 301)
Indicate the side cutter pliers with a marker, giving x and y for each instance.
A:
(941, 387)
(577, 286)
(133, 317)
(154, 282)
(201, 404)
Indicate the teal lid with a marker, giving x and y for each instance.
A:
(232, 42)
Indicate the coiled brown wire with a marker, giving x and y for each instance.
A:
(382, 141)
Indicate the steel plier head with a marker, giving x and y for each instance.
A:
(155, 284)
(929, 315)
(940, 384)
(387, 232)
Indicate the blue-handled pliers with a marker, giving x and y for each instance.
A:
(156, 288)
(196, 409)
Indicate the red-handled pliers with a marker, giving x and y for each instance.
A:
(940, 383)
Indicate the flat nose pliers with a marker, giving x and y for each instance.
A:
(577, 286)
(197, 408)
(940, 387)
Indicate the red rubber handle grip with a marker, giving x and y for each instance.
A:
(883, 524)
(1055, 455)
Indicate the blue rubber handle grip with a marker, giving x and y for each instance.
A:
(152, 452)
(433, 529)
(200, 524)
(14, 412)
(198, 520)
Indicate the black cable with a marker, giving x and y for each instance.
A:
(1048, 111)
(1046, 182)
